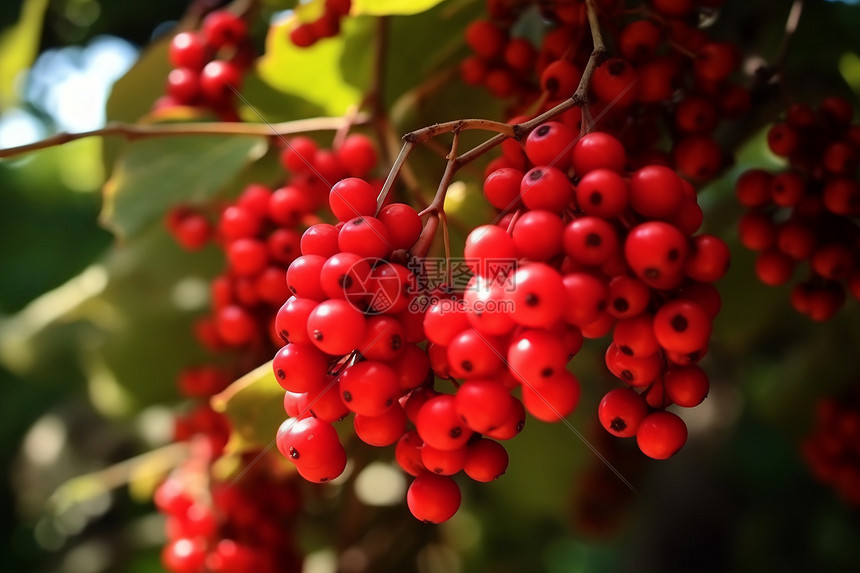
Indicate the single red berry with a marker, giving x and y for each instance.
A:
(439, 424)
(550, 144)
(621, 411)
(598, 150)
(682, 326)
(433, 498)
(686, 386)
(352, 197)
(486, 39)
(382, 430)
(554, 400)
(602, 193)
(486, 460)
(336, 327)
(483, 404)
(369, 388)
(661, 434)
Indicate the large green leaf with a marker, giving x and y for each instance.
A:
(313, 73)
(385, 7)
(154, 174)
(18, 47)
(127, 320)
(255, 406)
(133, 94)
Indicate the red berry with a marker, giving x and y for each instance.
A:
(661, 434)
(621, 411)
(433, 498)
(336, 327)
(369, 388)
(352, 197)
(486, 460)
(598, 150)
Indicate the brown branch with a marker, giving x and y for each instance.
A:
(133, 131)
(436, 208)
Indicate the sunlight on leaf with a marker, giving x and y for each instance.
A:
(313, 73)
(385, 7)
(255, 405)
(18, 47)
(153, 175)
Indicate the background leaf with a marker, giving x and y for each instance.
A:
(385, 7)
(314, 73)
(254, 404)
(18, 47)
(155, 174)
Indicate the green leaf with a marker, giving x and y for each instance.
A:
(154, 174)
(133, 94)
(18, 48)
(255, 406)
(313, 73)
(263, 103)
(386, 7)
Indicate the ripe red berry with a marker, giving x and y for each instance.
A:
(433, 498)
(656, 192)
(554, 400)
(537, 294)
(661, 434)
(336, 327)
(369, 388)
(686, 386)
(602, 193)
(656, 252)
(598, 150)
(352, 197)
(381, 430)
(682, 326)
(621, 411)
(439, 424)
(551, 144)
(486, 460)
(358, 155)
(483, 404)
(547, 188)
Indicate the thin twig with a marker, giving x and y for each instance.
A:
(435, 210)
(407, 148)
(450, 168)
(766, 72)
(133, 131)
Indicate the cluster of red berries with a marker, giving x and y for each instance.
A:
(327, 25)
(832, 449)
(215, 526)
(260, 234)
(810, 211)
(617, 253)
(666, 78)
(352, 331)
(208, 65)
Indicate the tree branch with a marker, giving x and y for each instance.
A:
(133, 131)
